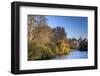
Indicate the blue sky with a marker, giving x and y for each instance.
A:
(75, 26)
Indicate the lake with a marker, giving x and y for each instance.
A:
(74, 54)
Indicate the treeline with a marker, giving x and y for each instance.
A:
(83, 44)
(79, 44)
(45, 42)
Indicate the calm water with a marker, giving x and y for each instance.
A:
(75, 54)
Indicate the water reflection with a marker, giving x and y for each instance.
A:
(75, 54)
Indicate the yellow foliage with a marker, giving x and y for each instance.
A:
(63, 47)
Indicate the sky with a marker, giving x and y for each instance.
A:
(75, 26)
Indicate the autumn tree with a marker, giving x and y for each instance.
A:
(45, 42)
(41, 20)
(33, 26)
(60, 38)
(39, 38)
(59, 33)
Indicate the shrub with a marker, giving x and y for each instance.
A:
(40, 51)
(63, 47)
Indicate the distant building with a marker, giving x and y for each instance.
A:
(73, 43)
